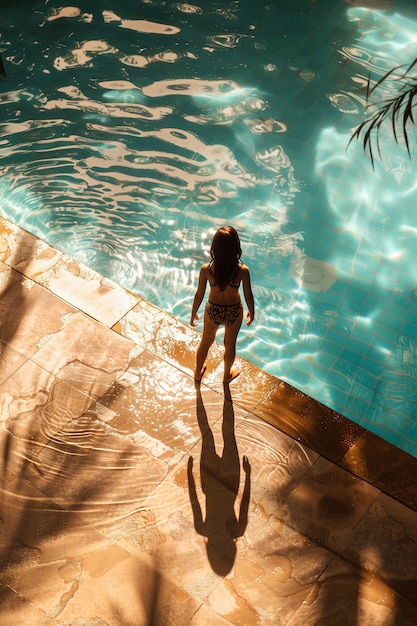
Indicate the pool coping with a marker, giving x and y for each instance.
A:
(330, 434)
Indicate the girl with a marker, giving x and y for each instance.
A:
(224, 274)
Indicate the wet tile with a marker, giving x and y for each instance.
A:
(34, 408)
(384, 542)
(275, 565)
(112, 478)
(53, 438)
(86, 354)
(161, 334)
(93, 583)
(25, 252)
(32, 313)
(308, 421)
(73, 572)
(278, 463)
(17, 611)
(89, 470)
(105, 518)
(173, 606)
(327, 505)
(345, 595)
(140, 431)
(270, 580)
(157, 399)
(164, 529)
(249, 389)
(10, 361)
(30, 523)
(116, 588)
(87, 290)
(200, 520)
(205, 616)
(176, 342)
(385, 466)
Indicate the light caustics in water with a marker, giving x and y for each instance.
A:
(134, 139)
(372, 217)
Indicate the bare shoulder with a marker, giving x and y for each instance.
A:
(204, 272)
(244, 270)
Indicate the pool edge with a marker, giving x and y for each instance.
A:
(330, 434)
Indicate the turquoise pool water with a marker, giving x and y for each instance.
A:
(131, 130)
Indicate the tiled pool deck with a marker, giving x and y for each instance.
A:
(305, 518)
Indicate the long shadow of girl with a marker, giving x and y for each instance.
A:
(220, 478)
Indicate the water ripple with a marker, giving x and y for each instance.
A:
(126, 142)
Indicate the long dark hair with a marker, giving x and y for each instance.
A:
(225, 251)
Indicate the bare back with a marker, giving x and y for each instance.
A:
(228, 295)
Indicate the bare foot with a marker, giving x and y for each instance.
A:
(198, 378)
(234, 373)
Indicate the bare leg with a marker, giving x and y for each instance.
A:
(209, 335)
(230, 336)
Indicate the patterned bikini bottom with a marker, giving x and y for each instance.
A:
(226, 314)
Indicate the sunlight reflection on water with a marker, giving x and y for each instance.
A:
(126, 142)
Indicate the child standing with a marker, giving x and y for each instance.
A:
(224, 273)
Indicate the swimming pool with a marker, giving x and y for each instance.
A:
(131, 130)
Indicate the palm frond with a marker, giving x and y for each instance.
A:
(399, 109)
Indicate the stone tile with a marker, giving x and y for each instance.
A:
(53, 438)
(87, 469)
(17, 611)
(116, 588)
(10, 361)
(157, 399)
(85, 578)
(86, 354)
(88, 581)
(249, 389)
(172, 605)
(347, 596)
(73, 572)
(32, 314)
(164, 529)
(35, 409)
(327, 505)
(384, 543)
(30, 523)
(275, 565)
(271, 579)
(206, 616)
(87, 290)
(196, 552)
(161, 334)
(171, 339)
(308, 421)
(25, 252)
(278, 462)
(385, 466)
(103, 478)
(106, 519)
